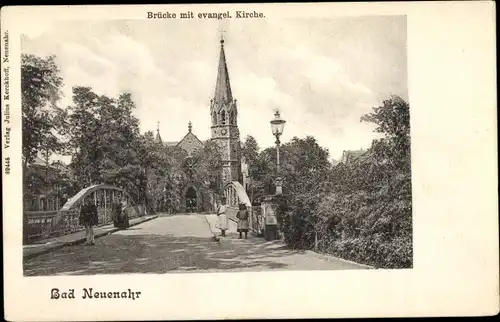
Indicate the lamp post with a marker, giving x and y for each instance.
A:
(269, 203)
(277, 125)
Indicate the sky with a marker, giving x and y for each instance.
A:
(322, 74)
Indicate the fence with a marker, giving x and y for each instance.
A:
(257, 221)
(231, 213)
(44, 224)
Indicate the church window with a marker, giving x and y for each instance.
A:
(223, 117)
(214, 118)
(231, 117)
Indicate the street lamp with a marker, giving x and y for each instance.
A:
(277, 125)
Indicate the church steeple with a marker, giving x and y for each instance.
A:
(222, 87)
(158, 137)
(224, 115)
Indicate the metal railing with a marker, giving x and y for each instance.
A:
(37, 224)
(231, 213)
(45, 224)
(256, 220)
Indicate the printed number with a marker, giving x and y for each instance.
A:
(7, 165)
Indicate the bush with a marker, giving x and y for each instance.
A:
(373, 250)
(360, 210)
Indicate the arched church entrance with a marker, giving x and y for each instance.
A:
(191, 200)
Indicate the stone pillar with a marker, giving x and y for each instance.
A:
(270, 220)
(279, 185)
(270, 206)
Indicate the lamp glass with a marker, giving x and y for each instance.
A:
(277, 124)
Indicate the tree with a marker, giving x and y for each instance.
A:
(304, 165)
(304, 169)
(393, 120)
(366, 216)
(103, 136)
(250, 151)
(359, 210)
(83, 129)
(40, 91)
(391, 168)
(208, 166)
(263, 173)
(160, 164)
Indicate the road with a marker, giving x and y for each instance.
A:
(180, 243)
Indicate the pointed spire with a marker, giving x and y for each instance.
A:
(158, 137)
(190, 126)
(222, 87)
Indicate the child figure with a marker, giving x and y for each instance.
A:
(222, 222)
(243, 224)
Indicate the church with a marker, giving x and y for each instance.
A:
(225, 133)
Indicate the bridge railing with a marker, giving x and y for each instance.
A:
(39, 225)
(256, 220)
(44, 224)
(231, 212)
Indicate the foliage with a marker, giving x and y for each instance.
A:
(103, 137)
(208, 166)
(303, 164)
(158, 162)
(41, 124)
(170, 170)
(359, 210)
(250, 152)
(393, 120)
(40, 91)
(48, 181)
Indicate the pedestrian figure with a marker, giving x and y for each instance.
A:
(124, 222)
(222, 220)
(116, 213)
(88, 218)
(243, 224)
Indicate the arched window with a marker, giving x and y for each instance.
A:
(223, 117)
(214, 118)
(231, 117)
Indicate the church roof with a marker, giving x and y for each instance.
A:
(190, 142)
(158, 136)
(189, 136)
(222, 87)
(37, 161)
(352, 155)
(171, 143)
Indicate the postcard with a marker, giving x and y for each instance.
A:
(249, 161)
